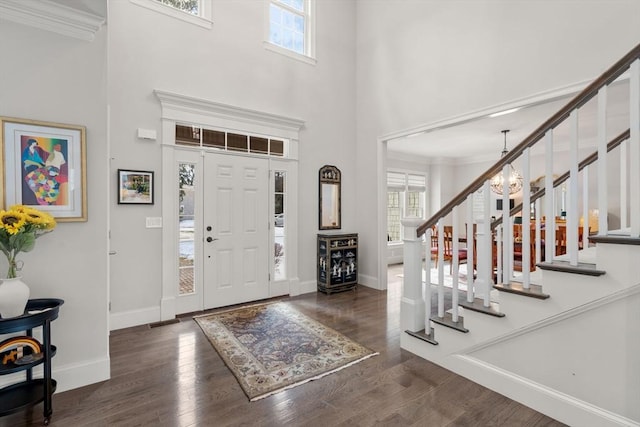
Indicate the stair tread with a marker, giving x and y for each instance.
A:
(422, 335)
(619, 239)
(585, 268)
(534, 291)
(447, 321)
(478, 306)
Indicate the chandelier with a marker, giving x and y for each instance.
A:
(515, 179)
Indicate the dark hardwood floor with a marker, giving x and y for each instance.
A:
(171, 376)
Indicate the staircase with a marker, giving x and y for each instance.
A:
(561, 336)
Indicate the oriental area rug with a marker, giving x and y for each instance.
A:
(272, 347)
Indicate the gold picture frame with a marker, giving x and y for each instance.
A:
(329, 191)
(43, 164)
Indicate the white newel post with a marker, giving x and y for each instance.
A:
(412, 305)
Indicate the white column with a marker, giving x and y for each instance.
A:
(412, 305)
(426, 283)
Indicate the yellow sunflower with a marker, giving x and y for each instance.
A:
(12, 221)
(38, 218)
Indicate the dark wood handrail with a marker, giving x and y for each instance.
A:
(578, 101)
(615, 142)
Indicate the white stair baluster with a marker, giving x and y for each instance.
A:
(549, 200)
(455, 264)
(470, 249)
(572, 214)
(526, 220)
(634, 148)
(603, 227)
(441, 268)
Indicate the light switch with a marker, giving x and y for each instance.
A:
(154, 222)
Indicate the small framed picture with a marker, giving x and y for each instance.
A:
(135, 187)
(42, 164)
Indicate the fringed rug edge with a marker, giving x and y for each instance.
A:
(316, 377)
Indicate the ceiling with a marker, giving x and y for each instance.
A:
(480, 138)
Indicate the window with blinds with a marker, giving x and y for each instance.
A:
(406, 195)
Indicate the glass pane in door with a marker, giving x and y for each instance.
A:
(186, 228)
(279, 221)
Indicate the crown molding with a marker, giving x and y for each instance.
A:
(50, 16)
(172, 103)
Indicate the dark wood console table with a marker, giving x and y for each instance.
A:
(22, 395)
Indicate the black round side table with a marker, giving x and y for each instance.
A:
(22, 395)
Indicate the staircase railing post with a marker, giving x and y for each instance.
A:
(412, 305)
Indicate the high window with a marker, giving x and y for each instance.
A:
(196, 12)
(189, 6)
(405, 198)
(291, 26)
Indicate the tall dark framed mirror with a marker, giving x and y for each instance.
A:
(329, 193)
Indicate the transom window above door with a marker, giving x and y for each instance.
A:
(196, 136)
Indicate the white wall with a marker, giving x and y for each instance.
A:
(50, 77)
(227, 64)
(420, 62)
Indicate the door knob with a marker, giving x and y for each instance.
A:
(211, 239)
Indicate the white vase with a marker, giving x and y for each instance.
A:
(14, 294)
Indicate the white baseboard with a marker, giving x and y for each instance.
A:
(369, 281)
(82, 374)
(69, 376)
(126, 319)
(307, 287)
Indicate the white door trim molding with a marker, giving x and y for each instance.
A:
(187, 109)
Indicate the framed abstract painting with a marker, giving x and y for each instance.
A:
(43, 164)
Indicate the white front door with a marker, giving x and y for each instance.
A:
(235, 255)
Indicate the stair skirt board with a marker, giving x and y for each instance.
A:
(547, 400)
(558, 405)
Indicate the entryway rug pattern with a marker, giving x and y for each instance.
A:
(273, 347)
